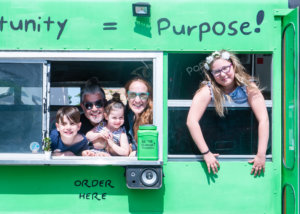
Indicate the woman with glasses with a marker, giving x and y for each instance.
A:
(226, 80)
(139, 109)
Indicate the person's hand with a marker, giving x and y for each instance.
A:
(104, 134)
(258, 164)
(67, 153)
(103, 154)
(132, 154)
(211, 162)
(110, 139)
(88, 153)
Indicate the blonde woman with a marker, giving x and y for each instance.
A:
(226, 79)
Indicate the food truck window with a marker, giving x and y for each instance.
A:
(185, 76)
(67, 78)
(21, 91)
(34, 85)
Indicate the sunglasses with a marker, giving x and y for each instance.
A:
(98, 104)
(224, 69)
(142, 95)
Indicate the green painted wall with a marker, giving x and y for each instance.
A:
(78, 25)
(290, 171)
(187, 188)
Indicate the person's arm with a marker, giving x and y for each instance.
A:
(66, 153)
(123, 149)
(94, 135)
(197, 109)
(257, 103)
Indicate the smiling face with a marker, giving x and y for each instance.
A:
(115, 119)
(94, 114)
(137, 105)
(223, 74)
(68, 129)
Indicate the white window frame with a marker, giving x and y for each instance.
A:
(43, 57)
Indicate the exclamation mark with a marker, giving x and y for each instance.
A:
(259, 19)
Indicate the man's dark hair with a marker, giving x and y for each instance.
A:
(92, 86)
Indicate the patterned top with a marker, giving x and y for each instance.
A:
(116, 134)
(239, 95)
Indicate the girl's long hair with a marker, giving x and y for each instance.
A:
(241, 78)
(146, 117)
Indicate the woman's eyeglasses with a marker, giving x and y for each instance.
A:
(224, 69)
(143, 95)
(98, 104)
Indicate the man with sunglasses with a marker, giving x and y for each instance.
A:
(92, 103)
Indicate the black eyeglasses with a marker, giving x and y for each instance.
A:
(98, 104)
(224, 69)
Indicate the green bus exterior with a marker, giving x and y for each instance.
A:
(174, 27)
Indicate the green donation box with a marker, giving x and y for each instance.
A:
(147, 143)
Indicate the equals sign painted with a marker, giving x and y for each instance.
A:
(109, 26)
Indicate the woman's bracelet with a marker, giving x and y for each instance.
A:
(204, 153)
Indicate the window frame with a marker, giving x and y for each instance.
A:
(46, 58)
(187, 103)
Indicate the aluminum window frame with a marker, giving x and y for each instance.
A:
(45, 57)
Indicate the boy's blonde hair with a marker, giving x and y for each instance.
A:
(72, 113)
(241, 78)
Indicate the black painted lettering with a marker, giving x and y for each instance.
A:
(190, 29)
(81, 195)
(95, 195)
(108, 183)
(2, 22)
(19, 27)
(182, 30)
(101, 183)
(29, 21)
(48, 22)
(85, 182)
(104, 196)
(94, 183)
(231, 27)
(39, 26)
(222, 28)
(88, 196)
(62, 27)
(203, 30)
(245, 25)
(159, 23)
(77, 183)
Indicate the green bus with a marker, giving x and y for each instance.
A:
(48, 49)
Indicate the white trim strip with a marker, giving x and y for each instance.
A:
(220, 157)
(80, 55)
(188, 103)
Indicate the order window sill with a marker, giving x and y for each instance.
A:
(42, 159)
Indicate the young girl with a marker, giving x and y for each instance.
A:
(226, 79)
(112, 136)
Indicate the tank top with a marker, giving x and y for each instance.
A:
(238, 96)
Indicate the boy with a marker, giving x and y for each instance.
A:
(66, 141)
